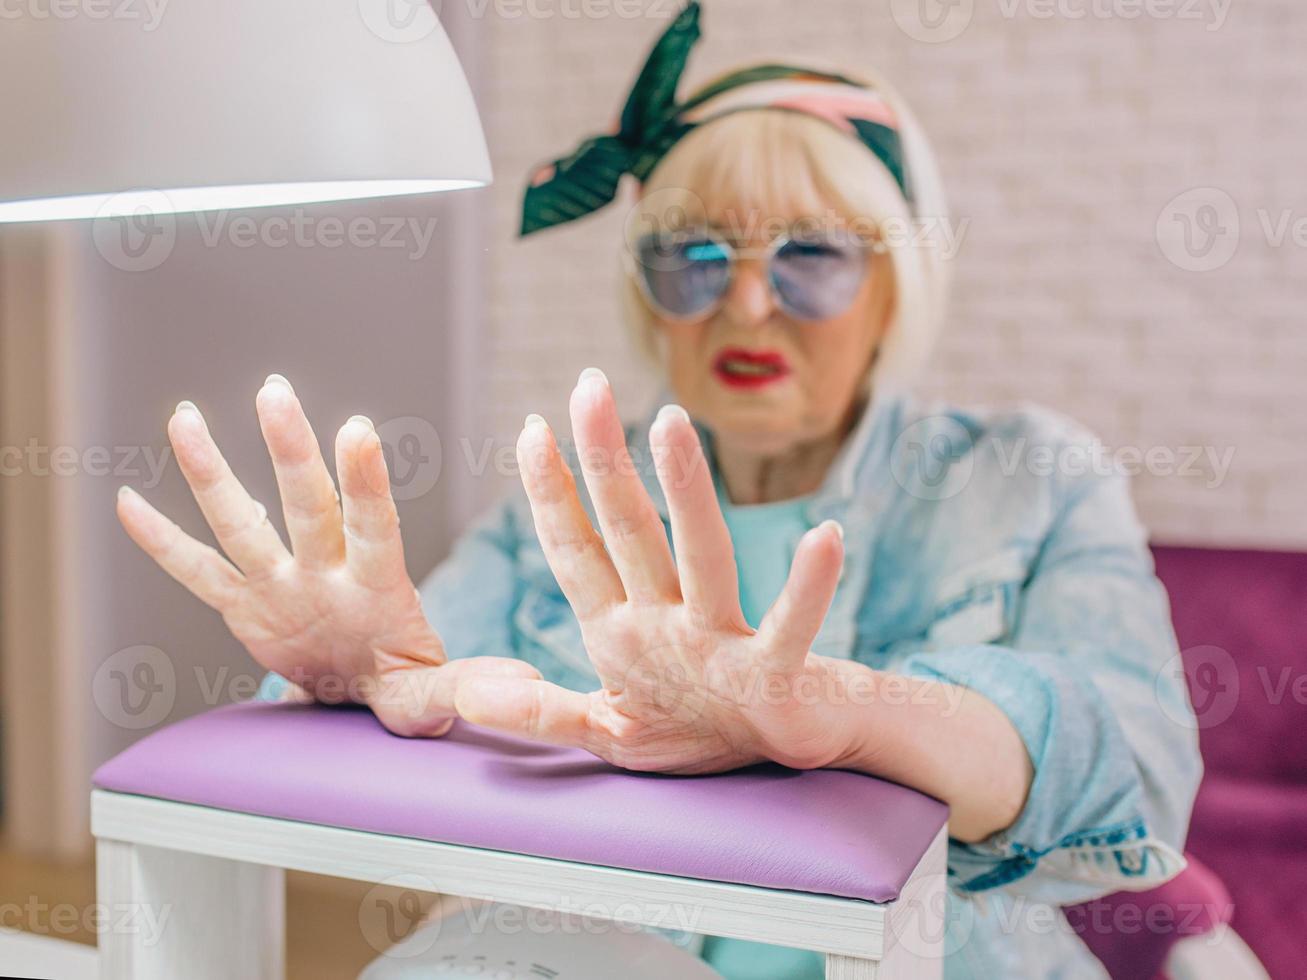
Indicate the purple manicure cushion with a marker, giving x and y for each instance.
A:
(823, 831)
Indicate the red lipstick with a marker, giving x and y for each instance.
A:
(739, 367)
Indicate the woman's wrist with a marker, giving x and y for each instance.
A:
(948, 741)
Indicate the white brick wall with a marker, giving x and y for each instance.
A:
(1062, 140)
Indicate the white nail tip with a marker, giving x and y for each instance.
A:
(187, 406)
(592, 372)
(836, 526)
(534, 419)
(278, 379)
(674, 411)
(364, 419)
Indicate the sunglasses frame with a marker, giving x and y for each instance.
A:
(734, 254)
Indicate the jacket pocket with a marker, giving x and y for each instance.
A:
(977, 603)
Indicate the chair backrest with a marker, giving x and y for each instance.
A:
(1241, 621)
(1241, 618)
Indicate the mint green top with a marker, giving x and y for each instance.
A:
(764, 536)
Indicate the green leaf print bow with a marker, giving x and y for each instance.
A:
(652, 122)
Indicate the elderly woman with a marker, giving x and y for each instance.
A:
(793, 561)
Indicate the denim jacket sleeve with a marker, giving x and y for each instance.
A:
(1088, 677)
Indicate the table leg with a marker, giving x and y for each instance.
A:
(170, 914)
(899, 964)
(918, 920)
(848, 968)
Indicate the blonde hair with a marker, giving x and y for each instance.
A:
(763, 160)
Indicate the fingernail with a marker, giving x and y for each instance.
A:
(592, 372)
(123, 491)
(836, 526)
(278, 379)
(189, 406)
(673, 411)
(534, 419)
(365, 420)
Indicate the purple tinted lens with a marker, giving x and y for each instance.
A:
(818, 280)
(686, 277)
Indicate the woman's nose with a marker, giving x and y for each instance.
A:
(749, 300)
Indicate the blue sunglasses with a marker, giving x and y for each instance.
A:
(686, 276)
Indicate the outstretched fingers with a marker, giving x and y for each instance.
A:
(197, 566)
(791, 625)
(572, 546)
(239, 522)
(308, 494)
(374, 551)
(633, 531)
(705, 557)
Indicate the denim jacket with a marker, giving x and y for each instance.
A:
(986, 549)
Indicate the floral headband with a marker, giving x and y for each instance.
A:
(652, 122)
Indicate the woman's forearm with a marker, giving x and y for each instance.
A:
(948, 741)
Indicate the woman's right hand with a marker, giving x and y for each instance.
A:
(337, 614)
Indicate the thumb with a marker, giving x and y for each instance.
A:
(791, 625)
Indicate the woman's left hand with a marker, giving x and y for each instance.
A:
(688, 685)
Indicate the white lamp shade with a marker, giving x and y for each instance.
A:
(185, 105)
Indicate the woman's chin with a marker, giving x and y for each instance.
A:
(757, 429)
